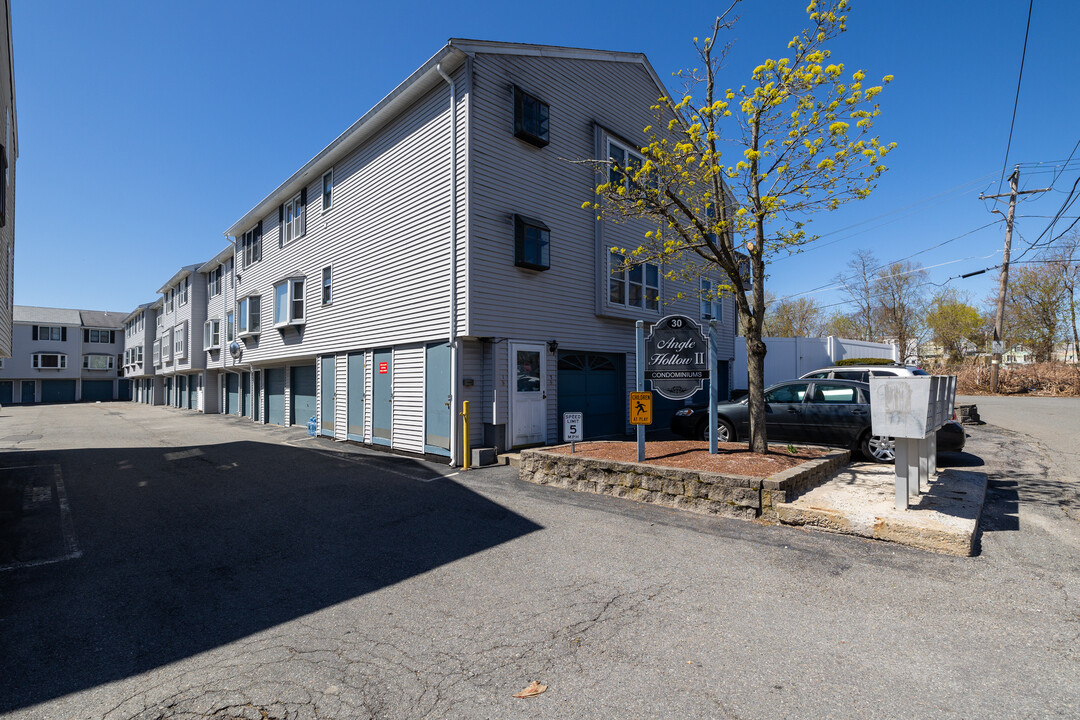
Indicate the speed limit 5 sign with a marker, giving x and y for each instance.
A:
(571, 427)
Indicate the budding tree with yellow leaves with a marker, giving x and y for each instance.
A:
(731, 177)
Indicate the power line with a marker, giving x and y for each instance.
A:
(1016, 100)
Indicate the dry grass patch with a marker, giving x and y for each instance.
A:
(733, 458)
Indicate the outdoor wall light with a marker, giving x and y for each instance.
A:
(553, 345)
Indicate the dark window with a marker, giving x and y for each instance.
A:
(530, 118)
(531, 241)
(787, 393)
(327, 190)
(327, 278)
(251, 245)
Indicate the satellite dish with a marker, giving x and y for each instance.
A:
(234, 349)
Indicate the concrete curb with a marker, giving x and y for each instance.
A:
(944, 519)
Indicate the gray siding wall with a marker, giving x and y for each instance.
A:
(143, 338)
(20, 364)
(408, 405)
(7, 232)
(386, 238)
(567, 302)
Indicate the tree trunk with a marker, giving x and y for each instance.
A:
(755, 355)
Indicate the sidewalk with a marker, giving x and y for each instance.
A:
(860, 500)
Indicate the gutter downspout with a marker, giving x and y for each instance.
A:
(455, 349)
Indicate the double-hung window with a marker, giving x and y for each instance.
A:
(212, 334)
(292, 216)
(180, 341)
(634, 286)
(624, 162)
(328, 190)
(712, 305)
(230, 327)
(289, 302)
(52, 333)
(532, 241)
(251, 245)
(157, 352)
(327, 289)
(98, 336)
(97, 362)
(49, 361)
(181, 290)
(530, 118)
(213, 282)
(138, 354)
(248, 320)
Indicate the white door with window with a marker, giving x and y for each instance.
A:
(528, 397)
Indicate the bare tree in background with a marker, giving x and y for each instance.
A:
(858, 284)
(900, 306)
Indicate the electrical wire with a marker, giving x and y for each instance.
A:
(1016, 100)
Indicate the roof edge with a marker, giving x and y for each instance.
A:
(400, 98)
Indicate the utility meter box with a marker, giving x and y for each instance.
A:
(911, 407)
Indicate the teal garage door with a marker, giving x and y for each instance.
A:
(437, 399)
(58, 391)
(594, 384)
(275, 396)
(6, 392)
(232, 394)
(245, 393)
(28, 391)
(96, 390)
(302, 406)
(124, 389)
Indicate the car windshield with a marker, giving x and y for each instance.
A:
(919, 371)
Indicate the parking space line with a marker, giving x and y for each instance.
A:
(67, 525)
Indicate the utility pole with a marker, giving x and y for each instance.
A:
(999, 317)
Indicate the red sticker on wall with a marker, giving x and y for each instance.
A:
(383, 368)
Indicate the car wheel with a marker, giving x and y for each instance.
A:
(878, 448)
(724, 431)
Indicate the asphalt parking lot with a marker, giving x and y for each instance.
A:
(209, 568)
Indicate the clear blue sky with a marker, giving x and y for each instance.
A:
(147, 128)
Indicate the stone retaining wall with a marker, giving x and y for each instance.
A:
(702, 492)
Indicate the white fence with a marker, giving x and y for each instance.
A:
(788, 358)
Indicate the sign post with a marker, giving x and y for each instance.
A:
(714, 388)
(572, 429)
(639, 362)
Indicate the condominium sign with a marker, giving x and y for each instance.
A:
(676, 357)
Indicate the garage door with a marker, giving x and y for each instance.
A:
(594, 384)
(124, 389)
(303, 394)
(58, 391)
(275, 396)
(96, 390)
(232, 394)
(6, 392)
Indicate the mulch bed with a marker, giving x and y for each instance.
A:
(733, 458)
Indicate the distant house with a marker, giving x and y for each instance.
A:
(64, 355)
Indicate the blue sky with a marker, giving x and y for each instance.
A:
(146, 129)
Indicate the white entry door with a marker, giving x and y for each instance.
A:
(528, 404)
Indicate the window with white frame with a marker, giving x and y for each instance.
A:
(292, 218)
(712, 304)
(157, 352)
(180, 341)
(212, 334)
(248, 318)
(159, 321)
(98, 336)
(633, 286)
(622, 159)
(168, 301)
(289, 302)
(328, 190)
(97, 362)
(213, 282)
(53, 333)
(138, 354)
(230, 328)
(327, 290)
(182, 292)
(167, 346)
(251, 245)
(49, 361)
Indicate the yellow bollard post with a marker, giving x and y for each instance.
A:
(465, 435)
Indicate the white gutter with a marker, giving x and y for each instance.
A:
(455, 365)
